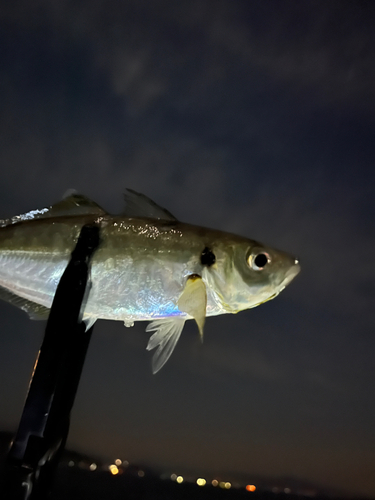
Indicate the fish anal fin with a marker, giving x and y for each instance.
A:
(193, 300)
(139, 205)
(34, 310)
(89, 321)
(167, 332)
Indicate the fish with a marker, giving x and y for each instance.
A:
(149, 266)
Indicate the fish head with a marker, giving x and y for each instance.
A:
(247, 274)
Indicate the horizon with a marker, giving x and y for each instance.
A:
(237, 480)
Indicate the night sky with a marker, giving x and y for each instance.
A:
(251, 117)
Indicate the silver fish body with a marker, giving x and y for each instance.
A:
(142, 270)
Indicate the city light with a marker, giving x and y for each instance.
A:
(113, 469)
(117, 468)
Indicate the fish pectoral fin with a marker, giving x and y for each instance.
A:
(167, 332)
(34, 310)
(139, 205)
(193, 300)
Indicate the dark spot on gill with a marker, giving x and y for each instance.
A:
(207, 257)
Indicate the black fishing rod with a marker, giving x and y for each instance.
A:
(43, 429)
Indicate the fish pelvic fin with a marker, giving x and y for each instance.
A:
(167, 332)
(193, 300)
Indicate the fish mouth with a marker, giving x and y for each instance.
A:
(291, 273)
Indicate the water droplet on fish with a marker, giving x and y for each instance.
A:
(128, 323)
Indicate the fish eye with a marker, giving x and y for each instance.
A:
(258, 261)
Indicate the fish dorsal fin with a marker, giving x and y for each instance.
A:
(74, 204)
(193, 300)
(35, 311)
(139, 205)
